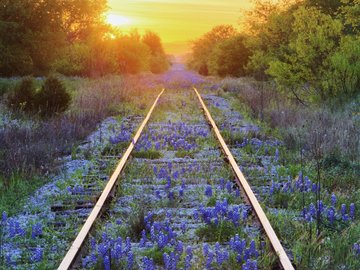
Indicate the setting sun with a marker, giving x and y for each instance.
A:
(117, 20)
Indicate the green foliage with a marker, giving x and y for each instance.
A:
(344, 71)
(218, 233)
(73, 60)
(52, 98)
(202, 48)
(23, 97)
(149, 154)
(13, 190)
(32, 32)
(315, 37)
(351, 13)
(133, 56)
(229, 58)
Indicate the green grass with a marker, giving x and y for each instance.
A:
(149, 154)
(13, 196)
(184, 153)
(156, 254)
(218, 233)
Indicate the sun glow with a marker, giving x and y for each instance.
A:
(117, 20)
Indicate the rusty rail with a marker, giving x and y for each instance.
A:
(75, 248)
(242, 183)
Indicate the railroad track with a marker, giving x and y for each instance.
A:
(177, 198)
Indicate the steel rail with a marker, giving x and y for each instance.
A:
(242, 183)
(78, 243)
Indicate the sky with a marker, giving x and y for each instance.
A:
(177, 21)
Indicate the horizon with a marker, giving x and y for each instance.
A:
(177, 22)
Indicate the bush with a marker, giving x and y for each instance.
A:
(229, 57)
(23, 96)
(159, 63)
(52, 98)
(73, 60)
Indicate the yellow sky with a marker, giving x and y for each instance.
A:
(177, 21)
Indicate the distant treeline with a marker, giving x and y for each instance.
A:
(69, 36)
(310, 48)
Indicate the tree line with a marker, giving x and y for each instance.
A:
(38, 37)
(311, 49)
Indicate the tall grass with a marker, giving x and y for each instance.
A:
(333, 129)
(30, 146)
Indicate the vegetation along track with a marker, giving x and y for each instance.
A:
(177, 204)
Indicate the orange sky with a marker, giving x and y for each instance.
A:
(177, 21)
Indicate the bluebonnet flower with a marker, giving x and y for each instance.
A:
(222, 184)
(356, 249)
(148, 264)
(171, 195)
(103, 249)
(181, 192)
(36, 230)
(176, 175)
(253, 250)
(331, 215)
(127, 248)
(162, 240)
(3, 217)
(89, 261)
(107, 264)
(206, 249)
(143, 239)
(118, 221)
(92, 243)
(130, 260)
(333, 199)
(208, 191)
(245, 214)
(117, 251)
(183, 227)
(189, 251)
(276, 155)
(320, 206)
(237, 192)
(167, 261)
(168, 184)
(15, 229)
(229, 186)
(179, 247)
(158, 195)
(209, 260)
(196, 214)
(183, 184)
(37, 255)
(352, 211)
(343, 209)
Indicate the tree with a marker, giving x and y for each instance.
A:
(203, 47)
(343, 79)
(229, 57)
(269, 35)
(351, 13)
(153, 41)
(38, 28)
(315, 37)
(158, 60)
(133, 55)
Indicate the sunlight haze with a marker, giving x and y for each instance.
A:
(177, 21)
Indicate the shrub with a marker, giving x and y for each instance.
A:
(73, 60)
(52, 98)
(159, 63)
(23, 96)
(229, 58)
